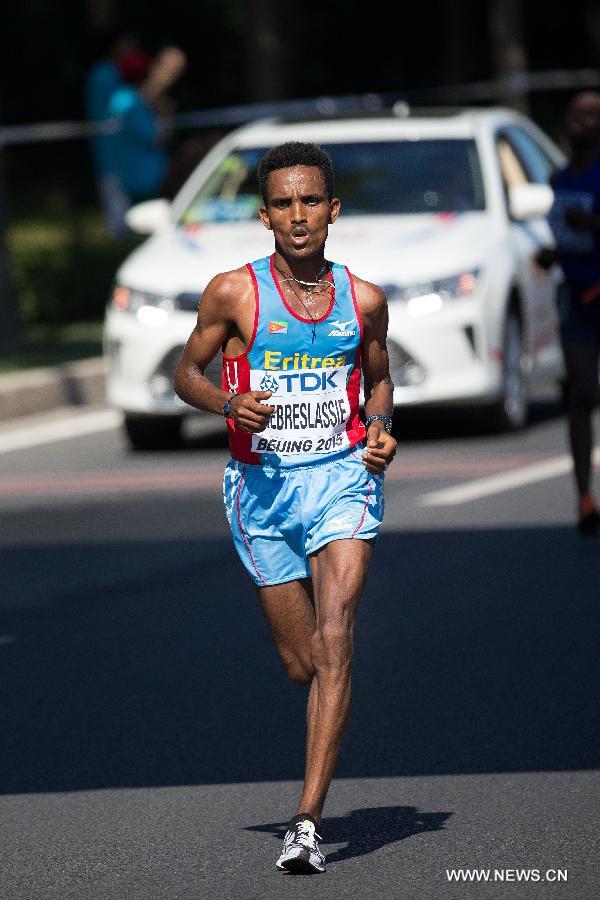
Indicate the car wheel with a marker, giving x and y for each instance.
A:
(153, 432)
(511, 411)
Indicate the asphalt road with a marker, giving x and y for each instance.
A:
(152, 748)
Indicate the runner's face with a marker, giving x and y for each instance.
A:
(298, 211)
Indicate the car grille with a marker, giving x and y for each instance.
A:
(188, 302)
(161, 383)
(404, 369)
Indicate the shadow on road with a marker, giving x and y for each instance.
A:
(446, 423)
(369, 829)
(132, 663)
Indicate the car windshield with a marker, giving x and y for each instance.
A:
(376, 177)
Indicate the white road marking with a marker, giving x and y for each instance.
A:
(60, 430)
(504, 481)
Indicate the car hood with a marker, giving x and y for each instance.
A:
(383, 249)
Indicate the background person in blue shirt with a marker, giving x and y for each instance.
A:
(575, 223)
(141, 106)
(101, 82)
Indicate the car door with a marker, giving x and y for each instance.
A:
(522, 160)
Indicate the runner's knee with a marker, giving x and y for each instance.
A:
(331, 646)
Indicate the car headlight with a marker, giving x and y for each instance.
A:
(150, 308)
(430, 296)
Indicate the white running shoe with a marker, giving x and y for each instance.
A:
(301, 852)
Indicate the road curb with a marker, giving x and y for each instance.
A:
(38, 390)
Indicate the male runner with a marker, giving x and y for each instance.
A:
(575, 222)
(303, 494)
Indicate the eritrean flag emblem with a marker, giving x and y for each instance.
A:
(280, 327)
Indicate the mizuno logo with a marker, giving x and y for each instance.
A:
(341, 328)
(340, 523)
(342, 325)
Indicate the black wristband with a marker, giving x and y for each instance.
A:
(387, 422)
(227, 406)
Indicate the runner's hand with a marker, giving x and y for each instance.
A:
(381, 449)
(248, 413)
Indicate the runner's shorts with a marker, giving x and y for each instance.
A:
(279, 516)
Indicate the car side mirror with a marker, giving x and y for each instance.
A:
(530, 201)
(149, 217)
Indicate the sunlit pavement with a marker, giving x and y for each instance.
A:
(151, 746)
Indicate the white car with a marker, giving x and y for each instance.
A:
(444, 211)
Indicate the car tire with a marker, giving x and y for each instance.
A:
(511, 411)
(153, 432)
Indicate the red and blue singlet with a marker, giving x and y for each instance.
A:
(312, 369)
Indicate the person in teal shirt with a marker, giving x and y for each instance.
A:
(101, 82)
(139, 155)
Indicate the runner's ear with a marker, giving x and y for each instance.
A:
(264, 218)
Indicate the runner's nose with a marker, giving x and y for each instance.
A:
(297, 211)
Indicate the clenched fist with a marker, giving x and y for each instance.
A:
(247, 411)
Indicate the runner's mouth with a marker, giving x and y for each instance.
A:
(298, 235)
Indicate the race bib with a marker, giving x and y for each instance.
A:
(311, 410)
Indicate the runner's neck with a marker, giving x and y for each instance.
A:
(302, 269)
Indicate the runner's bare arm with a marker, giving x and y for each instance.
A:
(379, 389)
(219, 319)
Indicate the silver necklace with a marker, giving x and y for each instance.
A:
(309, 287)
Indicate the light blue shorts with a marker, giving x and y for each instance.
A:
(279, 516)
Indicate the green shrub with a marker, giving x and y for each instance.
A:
(51, 345)
(63, 268)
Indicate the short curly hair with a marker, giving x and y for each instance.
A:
(295, 153)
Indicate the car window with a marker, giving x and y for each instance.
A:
(419, 176)
(511, 169)
(537, 164)
(375, 177)
(230, 193)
